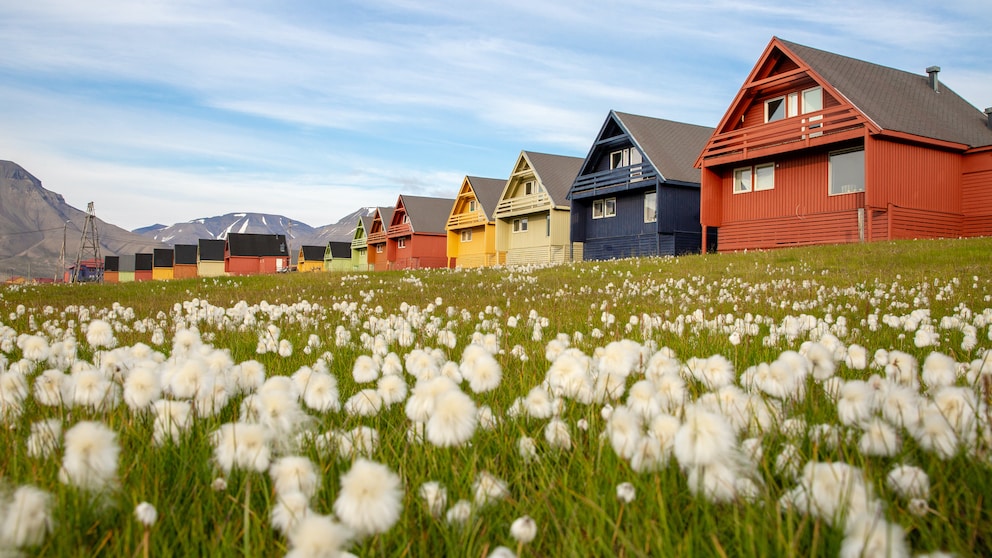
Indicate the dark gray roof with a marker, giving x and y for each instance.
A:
(556, 173)
(427, 215)
(313, 253)
(671, 147)
(487, 191)
(247, 244)
(163, 257)
(897, 100)
(366, 221)
(211, 250)
(385, 215)
(339, 250)
(186, 254)
(111, 263)
(143, 262)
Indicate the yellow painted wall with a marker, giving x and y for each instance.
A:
(210, 269)
(309, 266)
(162, 273)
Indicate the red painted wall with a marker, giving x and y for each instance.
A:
(422, 251)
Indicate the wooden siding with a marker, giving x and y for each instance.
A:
(184, 271)
(478, 252)
(836, 227)
(801, 189)
(111, 276)
(210, 268)
(163, 273)
(310, 265)
(535, 245)
(379, 261)
(359, 258)
(977, 194)
(912, 176)
(125, 276)
(421, 251)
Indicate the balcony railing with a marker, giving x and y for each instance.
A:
(399, 230)
(359, 243)
(470, 218)
(376, 238)
(523, 204)
(612, 180)
(753, 141)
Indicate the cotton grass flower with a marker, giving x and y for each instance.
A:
(704, 438)
(318, 536)
(626, 492)
(523, 530)
(288, 511)
(488, 488)
(44, 437)
(365, 369)
(392, 388)
(939, 370)
(293, 473)
(879, 438)
(371, 498)
(146, 514)
(527, 448)
(53, 388)
(90, 459)
(459, 513)
(26, 519)
(435, 497)
(870, 535)
(242, 445)
(453, 420)
(365, 403)
(320, 393)
(558, 435)
(100, 335)
(908, 482)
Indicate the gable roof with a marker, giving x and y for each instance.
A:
(339, 250)
(385, 216)
(555, 172)
(366, 221)
(313, 253)
(186, 253)
(211, 250)
(427, 215)
(671, 147)
(487, 191)
(896, 100)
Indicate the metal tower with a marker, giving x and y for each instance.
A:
(89, 243)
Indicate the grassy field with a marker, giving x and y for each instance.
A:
(608, 373)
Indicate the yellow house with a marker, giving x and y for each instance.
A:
(311, 258)
(163, 260)
(532, 217)
(471, 227)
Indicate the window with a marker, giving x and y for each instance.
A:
(651, 207)
(764, 177)
(520, 225)
(473, 205)
(756, 178)
(812, 100)
(406, 219)
(530, 188)
(775, 109)
(847, 171)
(467, 236)
(547, 225)
(793, 104)
(604, 208)
(742, 180)
(625, 157)
(378, 248)
(401, 243)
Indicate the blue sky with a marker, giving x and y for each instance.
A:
(166, 111)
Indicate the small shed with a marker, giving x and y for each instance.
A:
(337, 256)
(126, 268)
(111, 269)
(163, 260)
(210, 258)
(143, 265)
(249, 254)
(184, 266)
(311, 258)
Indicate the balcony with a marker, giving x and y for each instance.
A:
(403, 229)
(788, 134)
(377, 237)
(469, 219)
(524, 204)
(612, 180)
(359, 243)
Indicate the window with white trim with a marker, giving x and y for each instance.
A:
(467, 235)
(520, 225)
(547, 225)
(650, 207)
(406, 219)
(754, 179)
(847, 171)
(604, 208)
(530, 187)
(794, 104)
(775, 109)
(473, 205)
(378, 248)
(401, 243)
(625, 157)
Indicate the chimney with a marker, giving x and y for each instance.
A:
(988, 113)
(933, 71)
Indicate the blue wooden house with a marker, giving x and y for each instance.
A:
(637, 193)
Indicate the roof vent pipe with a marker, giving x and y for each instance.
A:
(933, 71)
(988, 121)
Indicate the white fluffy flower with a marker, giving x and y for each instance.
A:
(26, 518)
(90, 460)
(371, 498)
(523, 529)
(146, 514)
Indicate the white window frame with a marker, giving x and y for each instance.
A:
(651, 207)
(604, 208)
(597, 209)
(739, 173)
(783, 107)
(379, 248)
(831, 190)
(769, 183)
(401, 242)
(619, 158)
(467, 235)
(520, 225)
(406, 219)
(473, 205)
(805, 92)
(547, 225)
(530, 187)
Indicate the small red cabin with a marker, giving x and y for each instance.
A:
(417, 232)
(249, 254)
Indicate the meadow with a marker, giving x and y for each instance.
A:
(827, 401)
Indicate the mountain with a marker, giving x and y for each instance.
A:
(34, 221)
(217, 228)
(298, 234)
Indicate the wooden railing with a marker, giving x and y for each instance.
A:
(522, 204)
(376, 238)
(749, 142)
(359, 243)
(613, 178)
(467, 219)
(401, 229)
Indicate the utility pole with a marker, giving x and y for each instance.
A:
(89, 242)
(289, 250)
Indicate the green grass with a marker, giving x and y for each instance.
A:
(571, 494)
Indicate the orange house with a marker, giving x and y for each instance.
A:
(417, 232)
(377, 248)
(819, 148)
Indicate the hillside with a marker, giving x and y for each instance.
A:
(32, 221)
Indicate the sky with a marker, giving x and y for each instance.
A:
(166, 111)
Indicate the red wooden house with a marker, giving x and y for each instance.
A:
(379, 254)
(248, 254)
(417, 232)
(819, 148)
